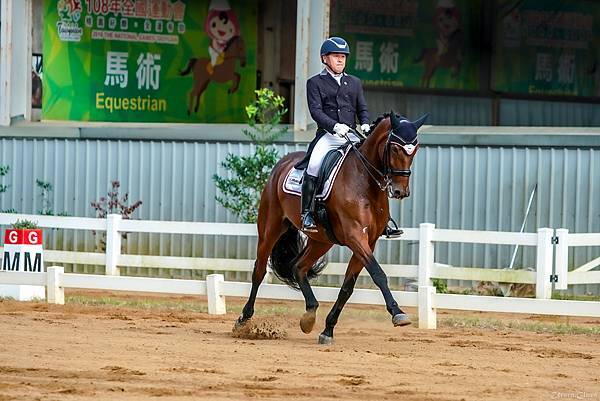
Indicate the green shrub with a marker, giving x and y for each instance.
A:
(441, 286)
(25, 225)
(249, 174)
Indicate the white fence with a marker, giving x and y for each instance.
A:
(217, 289)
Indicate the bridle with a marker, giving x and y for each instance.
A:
(384, 179)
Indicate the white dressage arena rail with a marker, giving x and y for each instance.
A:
(216, 289)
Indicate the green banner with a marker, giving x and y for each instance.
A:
(417, 44)
(547, 48)
(149, 60)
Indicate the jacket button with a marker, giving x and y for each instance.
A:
(338, 110)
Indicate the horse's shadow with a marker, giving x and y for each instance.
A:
(224, 72)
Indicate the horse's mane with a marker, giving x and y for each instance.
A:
(384, 116)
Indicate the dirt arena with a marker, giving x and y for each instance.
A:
(99, 351)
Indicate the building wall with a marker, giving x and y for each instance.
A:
(471, 110)
(456, 187)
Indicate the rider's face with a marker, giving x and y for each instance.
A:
(336, 62)
(221, 27)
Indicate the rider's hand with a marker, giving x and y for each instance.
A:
(365, 128)
(341, 129)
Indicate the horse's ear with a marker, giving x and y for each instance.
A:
(420, 121)
(394, 120)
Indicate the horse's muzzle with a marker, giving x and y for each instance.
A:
(401, 193)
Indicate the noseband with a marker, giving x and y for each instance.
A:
(408, 148)
(384, 179)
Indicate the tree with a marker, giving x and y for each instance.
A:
(113, 203)
(248, 175)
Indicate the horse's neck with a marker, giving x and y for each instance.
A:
(357, 167)
(370, 148)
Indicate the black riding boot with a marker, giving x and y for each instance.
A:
(309, 184)
(392, 232)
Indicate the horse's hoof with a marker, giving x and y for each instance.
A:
(239, 323)
(401, 319)
(307, 322)
(325, 340)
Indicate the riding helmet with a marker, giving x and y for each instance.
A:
(335, 45)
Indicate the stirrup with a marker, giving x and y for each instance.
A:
(392, 232)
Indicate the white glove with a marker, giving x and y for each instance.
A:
(341, 129)
(365, 128)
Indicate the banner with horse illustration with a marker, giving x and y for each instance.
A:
(547, 48)
(412, 43)
(149, 60)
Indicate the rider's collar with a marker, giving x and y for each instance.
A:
(326, 71)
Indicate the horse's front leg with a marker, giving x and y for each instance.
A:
(354, 268)
(363, 251)
(235, 84)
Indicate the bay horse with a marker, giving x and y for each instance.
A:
(224, 72)
(358, 211)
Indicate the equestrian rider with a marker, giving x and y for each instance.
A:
(335, 102)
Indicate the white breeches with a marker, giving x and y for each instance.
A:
(325, 144)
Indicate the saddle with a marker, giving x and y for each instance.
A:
(327, 174)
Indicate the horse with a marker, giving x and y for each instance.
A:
(224, 72)
(432, 60)
(358, 210)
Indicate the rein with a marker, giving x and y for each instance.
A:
(384, 179)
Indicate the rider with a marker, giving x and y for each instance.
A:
(335, 102)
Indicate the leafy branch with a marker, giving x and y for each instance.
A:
(248, 175)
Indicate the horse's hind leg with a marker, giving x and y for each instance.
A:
(191, 103)
(313, 251)
(354, 268)
(198, 92)
(270, 227)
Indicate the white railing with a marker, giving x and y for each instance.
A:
(216, 288)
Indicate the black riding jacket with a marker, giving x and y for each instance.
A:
(330, 103)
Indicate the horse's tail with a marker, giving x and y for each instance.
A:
(189, 67)
(285, 255)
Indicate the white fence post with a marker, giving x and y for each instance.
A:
(216, 299)
(113, 244)
(543, 286)
(55, 293)
(426, 253)
(562, 259)
(427, 312)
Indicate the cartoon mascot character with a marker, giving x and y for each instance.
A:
(221, 25)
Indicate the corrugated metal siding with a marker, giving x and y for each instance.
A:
(477, 188)
(542, 113)
(461, 110)
(443, 110)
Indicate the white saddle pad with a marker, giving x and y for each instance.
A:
(293, 180)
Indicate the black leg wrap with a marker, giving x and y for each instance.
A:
(380, 280)
(334, 314)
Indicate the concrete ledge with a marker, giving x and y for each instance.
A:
(430, 135)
